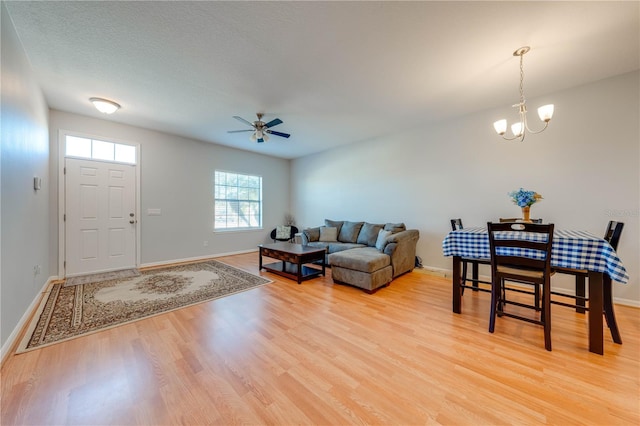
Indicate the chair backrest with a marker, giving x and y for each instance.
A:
(456, 224)
(521, 246)
(613, 232)
(515, 219)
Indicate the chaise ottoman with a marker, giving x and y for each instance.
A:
(365, 268)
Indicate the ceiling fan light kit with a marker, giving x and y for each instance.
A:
(260, 129)
(520, 128)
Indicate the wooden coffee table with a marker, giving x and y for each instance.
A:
(293, 258)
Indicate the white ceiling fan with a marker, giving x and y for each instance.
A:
(260, 129)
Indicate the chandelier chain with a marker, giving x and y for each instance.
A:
(521, 79)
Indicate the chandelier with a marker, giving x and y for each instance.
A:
(520, 128)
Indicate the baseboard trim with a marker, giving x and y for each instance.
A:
(448, 273)
(16, 334)
(626, 302)
(194, 259)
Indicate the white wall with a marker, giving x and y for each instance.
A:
(177, 177)
(586, 165)
(24, 154)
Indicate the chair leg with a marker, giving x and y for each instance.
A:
(580, 294)
(503, 297)
(464, 276)
(608, 309)
(495, 297)
(546, 313)
(474, 274)
(536, 297)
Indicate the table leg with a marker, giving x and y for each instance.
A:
(596, 335)
(456, 285)
(299, 270)
(580, 286)
(260, 262)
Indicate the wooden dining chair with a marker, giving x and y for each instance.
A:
(612, 236)
(475, 280)
(523, 258)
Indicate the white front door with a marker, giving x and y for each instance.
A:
(100, 222)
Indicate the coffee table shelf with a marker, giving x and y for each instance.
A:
(290, 270)
(293, 258)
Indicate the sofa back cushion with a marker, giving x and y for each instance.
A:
(395, 227)
(369, 234)
(334, 224)
(349, 232)
(328, 234)
(313, 234)
(381, 241)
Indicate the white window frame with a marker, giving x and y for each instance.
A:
(94, 154)
(226, 194)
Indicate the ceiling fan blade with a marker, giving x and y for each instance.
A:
(273, 122)
(243, 120)
(273, 132)
(238, 131)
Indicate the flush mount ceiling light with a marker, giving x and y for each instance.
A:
(104, 105)
(520, 128)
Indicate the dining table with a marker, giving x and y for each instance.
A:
(573, 249)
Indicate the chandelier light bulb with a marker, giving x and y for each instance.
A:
(500, 126)
(545, 112)
(517, 128)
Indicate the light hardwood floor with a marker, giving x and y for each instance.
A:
(319, 353)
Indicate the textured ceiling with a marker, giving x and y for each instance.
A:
(334, 72)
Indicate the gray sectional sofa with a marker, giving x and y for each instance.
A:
(362, 254)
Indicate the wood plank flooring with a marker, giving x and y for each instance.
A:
(320, 353)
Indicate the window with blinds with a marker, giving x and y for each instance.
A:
(237, 201)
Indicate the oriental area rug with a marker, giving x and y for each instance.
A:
(67, 312)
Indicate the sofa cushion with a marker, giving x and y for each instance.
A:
(395, 227)
(328, 233)
(381, 241)
(336, 247)
(313, 234)
(349, 232)
(318, 244)
(334, 223)
(369, 234)
(365, 259)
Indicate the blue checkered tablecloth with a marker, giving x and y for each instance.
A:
(571, 249)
